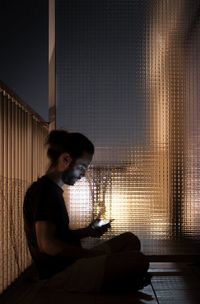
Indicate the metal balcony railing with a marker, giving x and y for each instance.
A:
(22, 160)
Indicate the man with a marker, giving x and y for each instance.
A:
(56, 249)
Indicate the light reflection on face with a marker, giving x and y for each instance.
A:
(76, 170)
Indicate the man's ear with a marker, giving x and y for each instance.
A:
(66, 159)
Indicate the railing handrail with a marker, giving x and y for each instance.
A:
(18, 99)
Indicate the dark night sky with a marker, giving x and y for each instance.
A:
(24, 51)
(99, 56)
(100, 71)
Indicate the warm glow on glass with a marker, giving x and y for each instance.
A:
(78, 200)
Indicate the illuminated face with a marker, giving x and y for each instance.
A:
(77, 169)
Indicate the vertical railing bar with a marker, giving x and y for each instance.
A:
(14, 214)
(22, 182)
(21, 162)
(2, 189)
(17, 171)
(9, 240)
(5, 194)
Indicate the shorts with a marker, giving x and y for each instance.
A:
(85, 275)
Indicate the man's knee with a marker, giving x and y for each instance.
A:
(132, 239)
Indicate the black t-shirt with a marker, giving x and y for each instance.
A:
(44, 202)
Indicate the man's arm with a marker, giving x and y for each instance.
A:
(81, 233)
(47, 243)
(89, 231)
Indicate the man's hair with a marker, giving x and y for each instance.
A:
(61, 141)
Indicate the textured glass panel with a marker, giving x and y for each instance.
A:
(191, 196)
(127, 77)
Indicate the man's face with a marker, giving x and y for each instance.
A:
(77, 169)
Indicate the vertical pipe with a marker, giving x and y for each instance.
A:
(52, 74)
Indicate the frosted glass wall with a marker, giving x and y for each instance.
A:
(127, 77)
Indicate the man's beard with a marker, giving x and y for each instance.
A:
(68, 178)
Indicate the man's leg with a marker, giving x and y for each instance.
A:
(124, 242)
(125, 271)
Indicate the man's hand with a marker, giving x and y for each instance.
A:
(95, 230)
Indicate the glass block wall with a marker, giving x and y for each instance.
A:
(191, 198)
(127, 76)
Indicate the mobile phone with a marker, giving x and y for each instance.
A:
(100, 223)
(103, 223)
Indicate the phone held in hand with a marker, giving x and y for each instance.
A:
(98, 223)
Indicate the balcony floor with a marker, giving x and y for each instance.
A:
(175, 266)
(172, 283)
